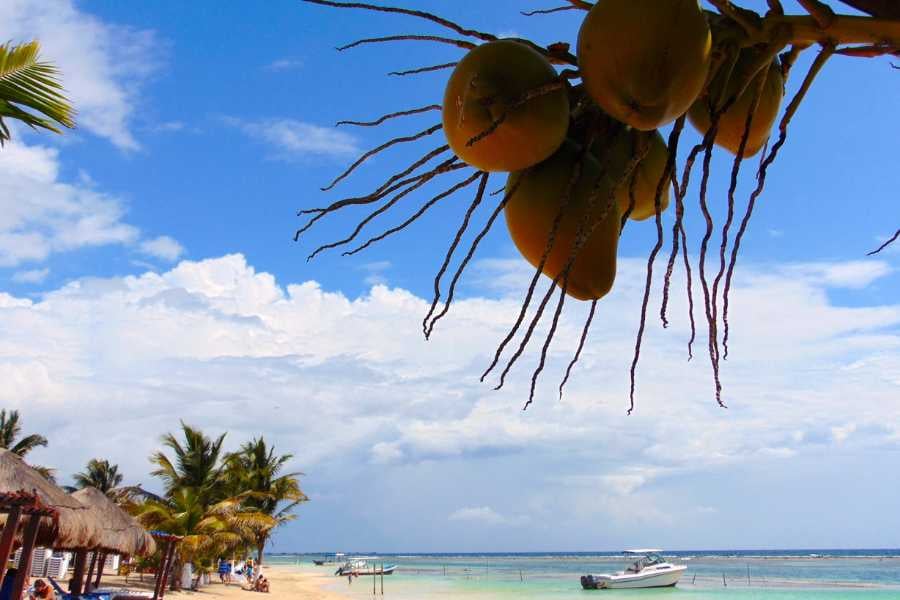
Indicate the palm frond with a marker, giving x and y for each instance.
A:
(28, 443)
(28, 83)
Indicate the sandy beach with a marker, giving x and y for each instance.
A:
(286, 583)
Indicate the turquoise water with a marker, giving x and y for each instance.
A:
(848, 576)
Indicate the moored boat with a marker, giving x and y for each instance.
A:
(365, 565)
(649, 571)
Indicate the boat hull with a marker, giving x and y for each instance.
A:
(658, 579)
(388, 570)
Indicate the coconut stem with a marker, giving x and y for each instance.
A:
(584, 334)
(429, 69)
(547, 11)
(393, 115)
(814, 69)
(422, 210)
(885, 244)
(664, 180)
(381, 148)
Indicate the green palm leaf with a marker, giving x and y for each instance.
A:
(28, 83)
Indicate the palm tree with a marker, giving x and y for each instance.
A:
(209, 530)
(28, 83)
(10, 428)
(101, 475)
(255, 469)
(196, 464)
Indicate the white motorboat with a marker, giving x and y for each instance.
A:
(365, 565)
(649, 571)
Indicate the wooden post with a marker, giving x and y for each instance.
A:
(160, 569)
(382, 578)
(100, 564)
(162, 591)
(6, 540)
(76, 585)
(90, 573)
(28, 540)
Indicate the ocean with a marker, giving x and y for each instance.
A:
(745, 575)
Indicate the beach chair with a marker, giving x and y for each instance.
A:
(64, 595)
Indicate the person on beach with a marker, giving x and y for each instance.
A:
(248, 571)
(224, 571)
(42, 591)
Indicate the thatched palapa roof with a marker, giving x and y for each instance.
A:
(121, 532)
(76, 528)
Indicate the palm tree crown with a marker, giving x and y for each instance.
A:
(99, 474)
(196, 463)
(26, 82)
(10, 428)
(255, 469)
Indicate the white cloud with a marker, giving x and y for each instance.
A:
(375, 272)
(347, 383)
(284, 64)
(295, 139)
(102, 65)
(484, 515)
(42, 215)
(852, 274)
(162, 247)
(32, 276)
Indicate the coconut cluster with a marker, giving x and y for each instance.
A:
(583, 156)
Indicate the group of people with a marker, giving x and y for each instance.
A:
(41, 590)
(249, 571)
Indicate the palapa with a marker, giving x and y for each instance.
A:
(76, 528)
(121, 533)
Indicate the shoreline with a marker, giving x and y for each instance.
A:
(286, 582)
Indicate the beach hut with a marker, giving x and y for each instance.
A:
(67, 525)
(121, 533)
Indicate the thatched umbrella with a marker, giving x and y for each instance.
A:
(121, 534)
(76, 528)
(72, 526)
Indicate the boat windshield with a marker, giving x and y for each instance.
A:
(647, 561)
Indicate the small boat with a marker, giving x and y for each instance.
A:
(365, 565)
(329, 559)
(649, 571)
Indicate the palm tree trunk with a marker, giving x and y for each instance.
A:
(261, 540)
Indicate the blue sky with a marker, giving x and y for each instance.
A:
(148, 272)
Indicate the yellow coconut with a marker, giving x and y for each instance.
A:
(486, 86)
(644, 61)
(648, 172)
(734, 120)
(534, 206)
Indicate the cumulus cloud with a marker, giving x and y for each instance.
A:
(162, 247)
(292, 139)
(345, 383)
(103, 65)
(42, 215)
